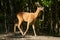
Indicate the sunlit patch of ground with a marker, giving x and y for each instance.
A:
(12, 36)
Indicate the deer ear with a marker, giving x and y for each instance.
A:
(37, 4)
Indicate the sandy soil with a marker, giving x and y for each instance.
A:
(27, 37)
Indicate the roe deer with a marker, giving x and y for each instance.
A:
(27, 17)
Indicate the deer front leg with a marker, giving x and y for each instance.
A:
(27, 28)
(34, 29)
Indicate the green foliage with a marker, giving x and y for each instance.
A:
(39, 21)
(46, 3)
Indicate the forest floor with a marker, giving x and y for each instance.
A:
(13, 36)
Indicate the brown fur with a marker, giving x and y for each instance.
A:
(27, 17)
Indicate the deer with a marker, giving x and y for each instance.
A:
(28, 17)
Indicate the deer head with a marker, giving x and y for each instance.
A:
(39, 6)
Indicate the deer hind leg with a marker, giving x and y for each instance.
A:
(15, 27)
(19, 23)
(26, 29)
(34, 29)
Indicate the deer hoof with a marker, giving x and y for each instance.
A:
(35, 35)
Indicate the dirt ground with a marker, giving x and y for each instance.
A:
(27, 37)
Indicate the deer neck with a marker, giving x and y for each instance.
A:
(37, 12)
